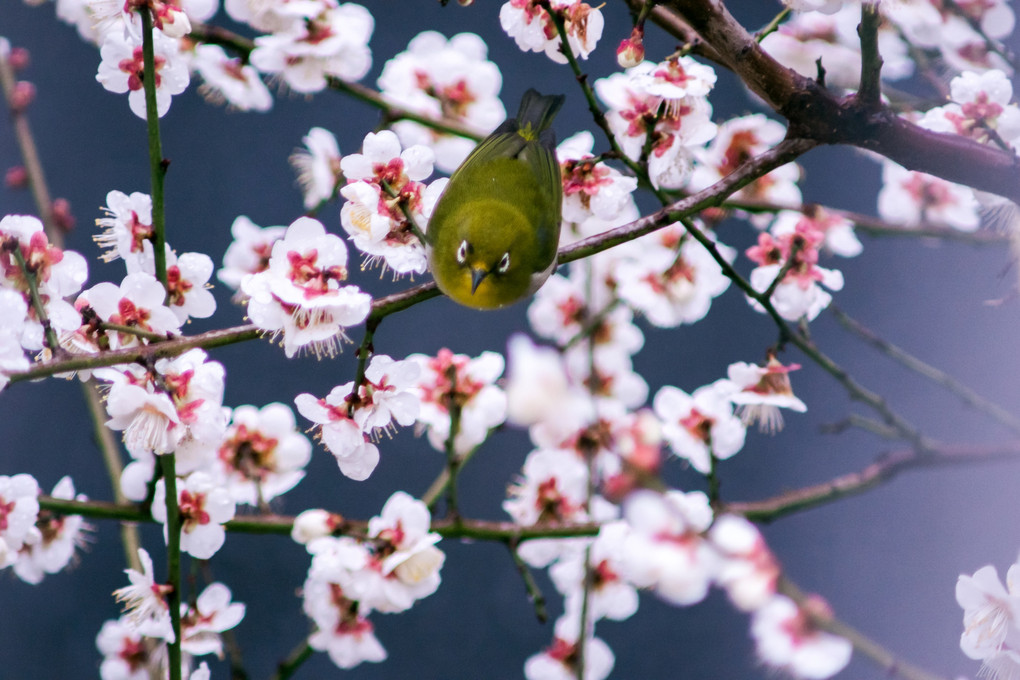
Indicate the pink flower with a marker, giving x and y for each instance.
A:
(121, 70)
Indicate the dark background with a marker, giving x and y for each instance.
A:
(887, 560)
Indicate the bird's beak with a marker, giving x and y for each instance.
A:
(477, 274)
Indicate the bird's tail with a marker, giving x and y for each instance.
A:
(537, 112)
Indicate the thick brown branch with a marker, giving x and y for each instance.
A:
(815, 113)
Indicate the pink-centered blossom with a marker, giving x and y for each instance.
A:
(249, 252)
(205, 506)
(786, 637)
(700, 426)
(332, 43)
(262, 455)
(451, 79)
(145, 601)
(122, 70)
(50, 546)
(229, 81)
(451, 383)
(301, 294)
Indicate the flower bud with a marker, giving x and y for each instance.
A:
(16, 177)
(312, 524)
(23, 95)
(631, 51)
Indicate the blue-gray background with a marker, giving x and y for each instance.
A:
(887, 560)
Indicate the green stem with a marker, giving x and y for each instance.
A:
(453, 460)
(772, 26)
(157, 165)
(168, 465)
(289, 666)
(37, 304)
(530, 585)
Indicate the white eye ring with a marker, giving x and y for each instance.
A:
(504, 263)
(462, 252)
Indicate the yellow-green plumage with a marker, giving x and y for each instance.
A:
(493, 235)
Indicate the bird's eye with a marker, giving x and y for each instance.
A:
(504, 263)
(462, 252)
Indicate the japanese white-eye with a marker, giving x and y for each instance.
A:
(493, 235)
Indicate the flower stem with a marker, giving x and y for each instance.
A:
(168, 465)
(157, 165)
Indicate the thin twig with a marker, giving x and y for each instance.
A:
(883, 469)
(936, 375)
(892, 665)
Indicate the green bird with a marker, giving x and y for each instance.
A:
(494, 233)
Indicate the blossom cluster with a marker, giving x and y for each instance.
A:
(387, 571)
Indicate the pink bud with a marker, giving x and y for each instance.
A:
(23, 95)
(631, 51)
(18, 58)
(62, 216)
(16, 177)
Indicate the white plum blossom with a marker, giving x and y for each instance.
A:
(386, 396)
(675, 279)
(451, 79)
(760, 391)
(249, 252)
(812, 36)
(342, 627)
(700, 426)
(137, 302)
(552, 488)
(559, 661)
(914, 198)
(536, 382)
(738, 141)
(665, 549)
(14, 311)
(300, 294)
(19, 511)
(145, 602)
(332, 43)
(355, 454)
(148, 418)
(126, 227)
(57, 273)
(187, 285)
(383, 183)
(533, 29)
(317, 166)
(262, 455)
(451, 381)
(787, 638)
(668, 101)
(127, 654)
(212, 614)
(404, 563)
(590, 188)
(991, 613)
(122, 70)
(748, 571)
(50, 546)
(981, 108)
(611, 596)
(229, 81)
(205, 506)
